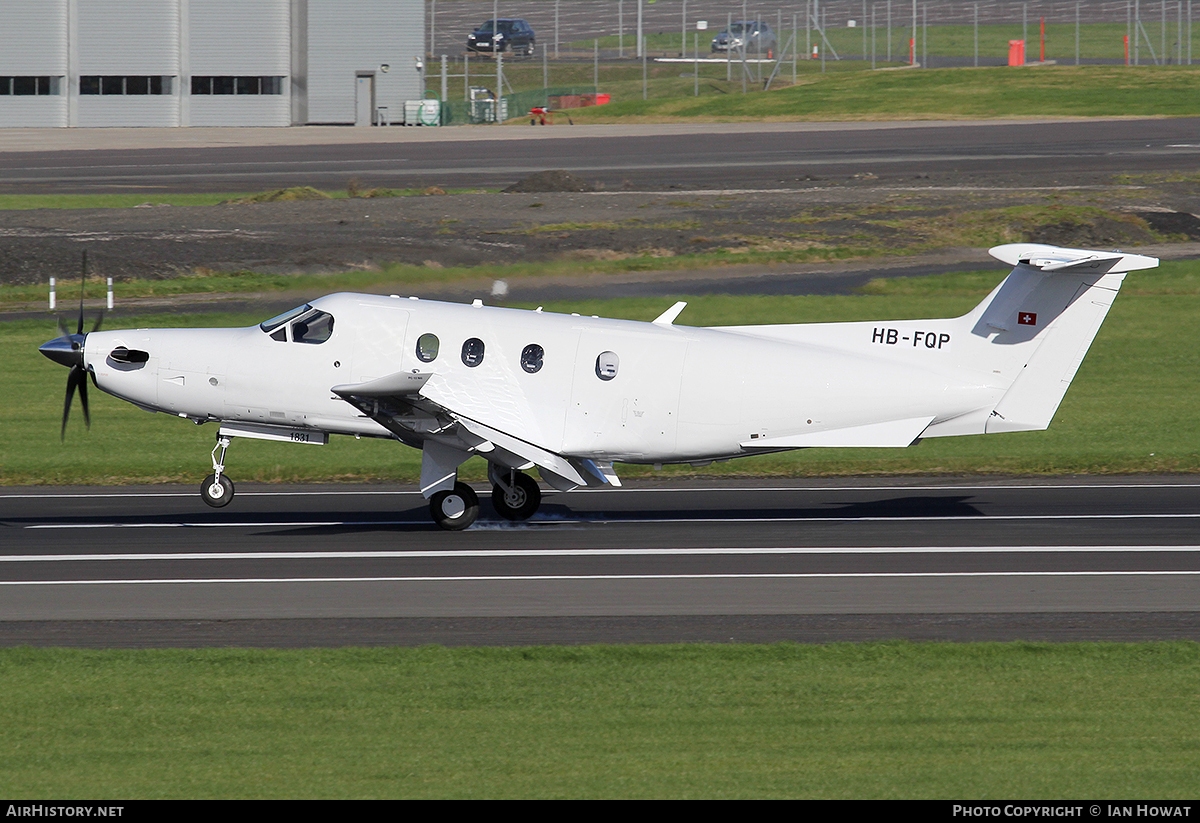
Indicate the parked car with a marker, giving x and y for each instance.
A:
(511, 35)
(753, 36)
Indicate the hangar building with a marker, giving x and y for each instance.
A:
(208, 62)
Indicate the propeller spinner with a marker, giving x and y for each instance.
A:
(67, 350)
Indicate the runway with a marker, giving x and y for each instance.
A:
(692, 157)
(665, 561)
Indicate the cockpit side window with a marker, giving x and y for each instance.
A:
(313, 328)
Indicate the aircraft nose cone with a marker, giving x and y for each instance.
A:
(66, 350)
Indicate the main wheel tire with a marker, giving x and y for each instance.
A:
(216, 494)
(456, 509)
(521, 502)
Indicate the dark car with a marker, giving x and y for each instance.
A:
(750, 36)
(511, 35)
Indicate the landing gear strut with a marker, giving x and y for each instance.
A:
(456, 509)
(515, 496)
(217, 489)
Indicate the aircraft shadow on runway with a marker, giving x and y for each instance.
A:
(551, 513)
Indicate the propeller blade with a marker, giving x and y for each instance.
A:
(77, 377)
(83, 401)
(67, 350)
(82, 284)
(67, 403)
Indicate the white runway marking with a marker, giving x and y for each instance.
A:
(591, 577)
(539, 553)
(535, 522)
(625, 490)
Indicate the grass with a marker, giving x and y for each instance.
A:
(811, 235)
(1145, 350)
(205, 281)
(849, 90)
(875, 720)
(917, 230)
(11, 202)
(1054, 91)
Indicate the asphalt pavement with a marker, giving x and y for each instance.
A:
(685, 157)
(970, 558)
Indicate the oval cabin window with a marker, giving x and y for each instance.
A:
(531, 358)
(427, 348)
(472, 352)
(606, 365)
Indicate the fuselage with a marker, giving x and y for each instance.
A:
(580, 386)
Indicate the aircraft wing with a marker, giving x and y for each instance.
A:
(447, 437)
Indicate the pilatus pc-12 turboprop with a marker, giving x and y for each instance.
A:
(571, 395)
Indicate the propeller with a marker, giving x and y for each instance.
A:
(67, 350)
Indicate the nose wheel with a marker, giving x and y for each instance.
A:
(217, 489)
(456, 509)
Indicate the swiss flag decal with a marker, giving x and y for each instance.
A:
(1027, 318)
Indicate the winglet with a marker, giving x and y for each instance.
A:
(667, 318)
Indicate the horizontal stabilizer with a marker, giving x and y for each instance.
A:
(894, 433)
(1053, 259)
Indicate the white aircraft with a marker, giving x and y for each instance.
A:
(571, 395)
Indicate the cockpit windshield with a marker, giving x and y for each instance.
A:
(279, 319)
(307, 325)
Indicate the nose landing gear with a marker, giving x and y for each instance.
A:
(217, 489)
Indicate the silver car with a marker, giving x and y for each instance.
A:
(751, 36)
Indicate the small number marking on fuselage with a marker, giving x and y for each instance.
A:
(917, 339)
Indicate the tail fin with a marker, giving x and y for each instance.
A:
(1039, 322)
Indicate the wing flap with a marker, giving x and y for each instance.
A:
(396, 403)
(890, 434)
(535, 454)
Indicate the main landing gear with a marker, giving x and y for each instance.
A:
(455, 509)
(217, 489)
(515, 496)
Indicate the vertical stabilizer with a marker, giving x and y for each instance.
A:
(1041, 321)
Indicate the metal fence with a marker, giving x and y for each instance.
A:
(862, 34)
(934, 32)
